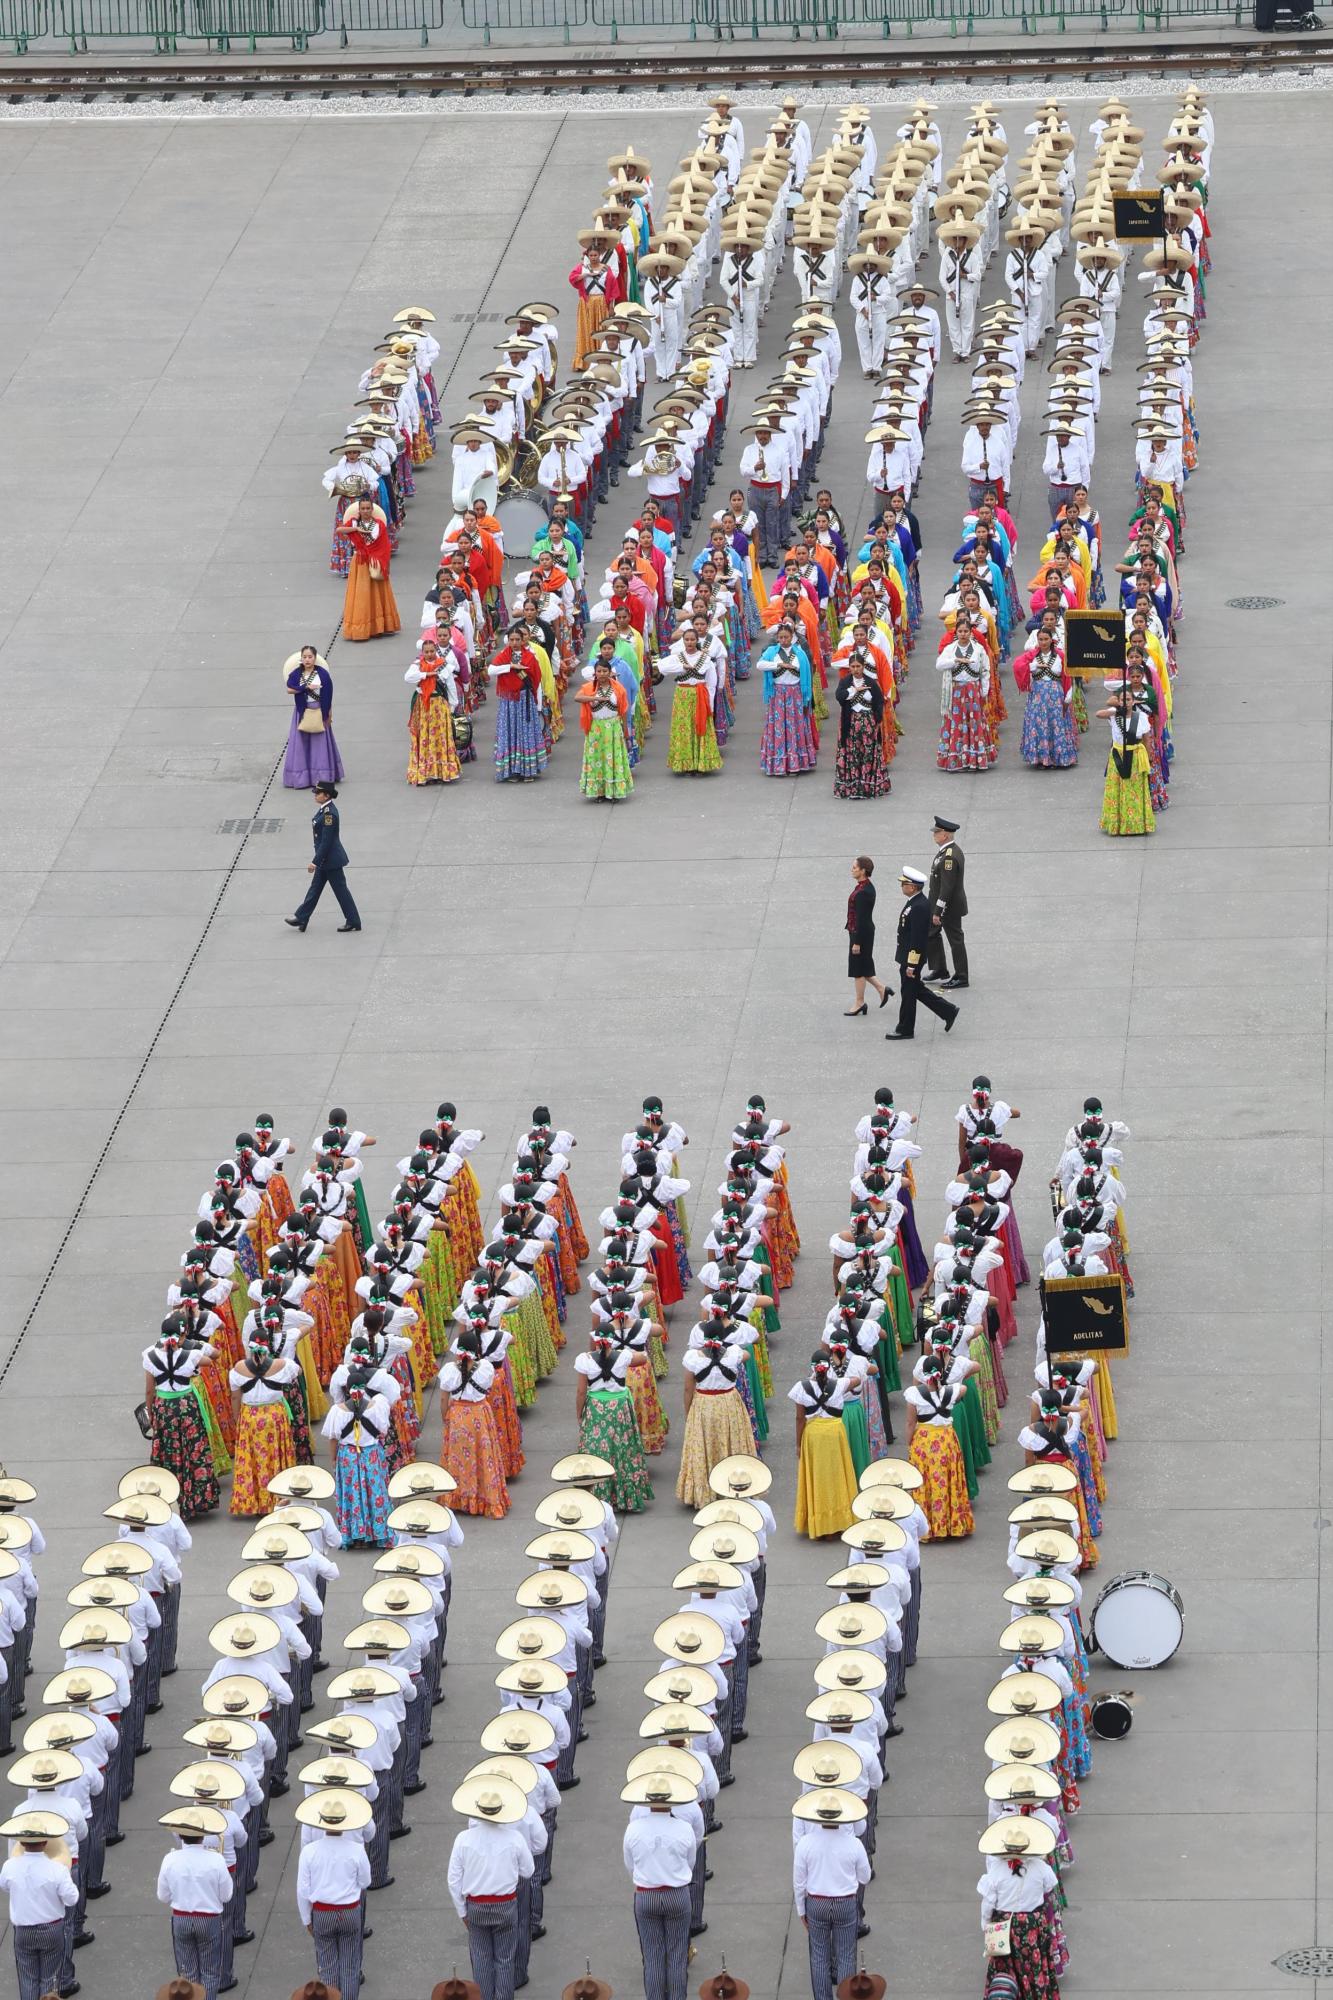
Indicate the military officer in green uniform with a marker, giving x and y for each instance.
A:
(948, 906)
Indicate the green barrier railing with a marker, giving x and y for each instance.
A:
(527, 16)
(22, 21)
(722, 19)
(377, 17)
(221, 23)
(85, 21)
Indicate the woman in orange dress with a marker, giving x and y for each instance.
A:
(265, 1441)
(369, 609)
(471, 1449)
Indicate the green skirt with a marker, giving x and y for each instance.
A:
(886, 1356)
(759, 1255)
(761, 1353)
(657, 1356)
(858, 1435)
(362, 1212)
(963, 1432)
(685, 750)
(899, 1298)
(531, 1314)
(522, 1359)
(756, 1396)
(606, 773)
(610, 1430)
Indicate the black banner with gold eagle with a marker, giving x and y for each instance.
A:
(1085, 1316)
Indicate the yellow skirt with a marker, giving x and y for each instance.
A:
(825, 1479)
(316, 1401)
(716, 1427)
(1105, 1394)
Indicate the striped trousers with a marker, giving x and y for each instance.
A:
(912, 1625)
(740, 1684)
(337, 1935)
(662, 1919)
(197, 1943)
(759, 1577)
(171, 1618)
(414, 1728)
(492, 1933)
(564, 1769)
(832, 1933)
(38, 1949)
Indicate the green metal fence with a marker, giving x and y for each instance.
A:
(227, 24)
(22, 21)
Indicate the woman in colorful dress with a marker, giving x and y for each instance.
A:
(860, 771)
(520, 735)
(433, 757)
(604, 715)
(312, 753)
(1014, 1888)
(265, 1443)
(825, 1472)
(597, 283)
(357, 1428)
(964, 663)
(1049, 739)
(493, 1345)
(608, 1427)
(177, 1416)
(790, 742)
(716, 1423)
(1126, 796)
(470, 1448)
(692, 742)
(369, 608)
(934, 1449)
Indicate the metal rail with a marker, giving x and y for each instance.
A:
(482, 75)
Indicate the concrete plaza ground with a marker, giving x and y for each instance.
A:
(184, 312)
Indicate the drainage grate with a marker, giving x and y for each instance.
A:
(1254, 603)
(251, 825)
(1312, 1961)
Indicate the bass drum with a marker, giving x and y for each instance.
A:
(1139, 1620)
(522, 518)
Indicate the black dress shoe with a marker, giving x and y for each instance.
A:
(599, 1659)
(68, 1992)
(153, 1708)
(280, 1788)
(708, 1873)
(114, 1839)
(697, 1930)
(863, 1929)
(367, 1933)
(730, 1779)
(144, 1750)
(84, 1937)
(387, 1883)
(295, 923)
(349, 927)
(225, 1985)
(538, 1931)
(567, 1784)
(400, 1832)
(582, 1736)
(590, 1701)
(739, 1735)
(410, 1791)
(266, 1836)
(894, 1729)
(896, 1035)
(243, 1937)
(955, 985)
(96, 1890)
(948, 1026)
(167, 1672)
(320, 1667)
(756, 1660)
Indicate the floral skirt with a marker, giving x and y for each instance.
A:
(686, 749)
(504, 1408)
(716, 1427)
(648, 1411)
(1048, 730)
(938, 1457)
(361, 1495)
(1030, 1962)
(606, 773)
(859, 772)
(1126, 802)
(471, 1451)
(825, 1479)
(611, 1431)
(433, 757)
(788, 744)
(520, 740)
(181, 1444)
(965, 738)
(264, 1447)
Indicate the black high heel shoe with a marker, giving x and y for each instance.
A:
(851, 1013)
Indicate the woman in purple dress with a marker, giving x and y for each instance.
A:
(312, 753)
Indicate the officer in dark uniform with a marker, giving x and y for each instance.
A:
(328, 865)
(948, 906)
(913, 941)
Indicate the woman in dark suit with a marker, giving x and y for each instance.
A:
(861, 936)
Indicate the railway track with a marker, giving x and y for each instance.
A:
(485, 75)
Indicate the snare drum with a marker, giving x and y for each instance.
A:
(1110, 1716)
(1139, 1620)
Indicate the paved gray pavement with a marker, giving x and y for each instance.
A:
(182, 319)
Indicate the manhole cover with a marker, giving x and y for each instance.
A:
(1254, 603)
(1312, 1961)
